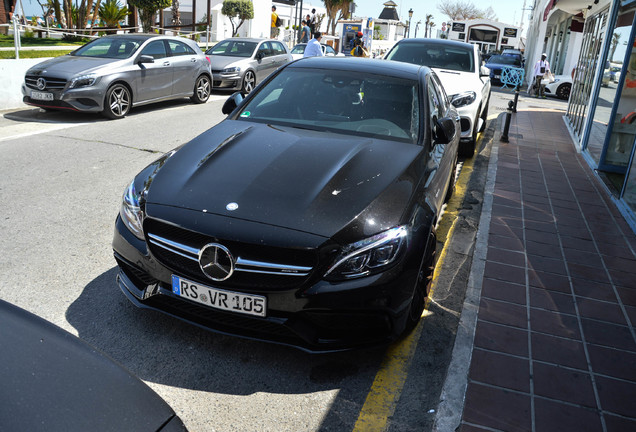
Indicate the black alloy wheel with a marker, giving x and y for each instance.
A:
(202, 88)
(563, 91)
(249, 82)
(118, 101)
(422, 285)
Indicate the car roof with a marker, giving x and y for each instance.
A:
(436, 42)
(244, 39)
(359, 64)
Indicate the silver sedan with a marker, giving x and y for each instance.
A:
(239, 63)
(114, 73)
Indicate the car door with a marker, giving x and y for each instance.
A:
(185, 67)
(280, 54)
(442, 155)
(155, 79)
(265, 61)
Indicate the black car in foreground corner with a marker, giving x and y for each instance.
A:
(54, 381)
(307, 217)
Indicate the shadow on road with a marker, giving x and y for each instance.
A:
(164, 350)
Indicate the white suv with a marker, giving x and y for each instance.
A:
(467, 83)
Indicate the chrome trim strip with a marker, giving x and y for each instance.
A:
(277, 273)
(180, 246)
(283, 267)
(174, 251)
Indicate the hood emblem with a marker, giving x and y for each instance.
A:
(216, 262)
(41, 83)
(231, 206)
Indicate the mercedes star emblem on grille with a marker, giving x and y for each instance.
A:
(41, 83)
(216, 262)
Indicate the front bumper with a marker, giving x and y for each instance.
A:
(227, 81)
(318, 317)
(86, 99)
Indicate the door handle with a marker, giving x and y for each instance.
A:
(166, 63)
(193, 60)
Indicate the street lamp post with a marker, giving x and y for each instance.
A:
(408, 29)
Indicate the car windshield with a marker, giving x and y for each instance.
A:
(115, 48)
(339, 101)
(233, 48)
(505, 60)
(434, 55)
(298, 49)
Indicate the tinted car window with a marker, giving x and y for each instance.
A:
(505, 60)
(233, 48)
(179, 48)
(265, 49)
(329, 50)
(278, 48)
(357, 104)
(299, 49)
(109, 48)
(156, 49)
(434, 55)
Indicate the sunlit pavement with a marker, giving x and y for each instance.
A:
(548, 319)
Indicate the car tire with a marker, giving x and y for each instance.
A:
(202, 88)
(249, 82)
(484, 116)
(422, 285)
(117, 102)
(563, 91)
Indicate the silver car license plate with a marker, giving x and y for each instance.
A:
(220, 299)
(42, 96)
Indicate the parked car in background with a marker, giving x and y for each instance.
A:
(54, 381)
(241, 63)
(114, 73)
(458, 66)
(298, 51)
(305, 218)
(516, 54)
(561, 87)
(497, 63)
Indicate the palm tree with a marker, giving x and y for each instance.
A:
(616, 37)
(427, 24)
(111, 14)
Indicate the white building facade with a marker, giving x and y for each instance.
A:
(488, 35)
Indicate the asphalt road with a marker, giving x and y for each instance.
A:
(63, 175)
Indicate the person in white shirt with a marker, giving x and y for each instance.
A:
(313, 47)
(540, 69)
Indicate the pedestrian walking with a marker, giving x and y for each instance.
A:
(541, 69)
(312, 22)
(313, 48)
(304, 35)
(273, 33)
(358, 46)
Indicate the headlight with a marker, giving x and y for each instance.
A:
(130, 211)
(463, 99)
(231, 70)
(369, 255)
(83, 81)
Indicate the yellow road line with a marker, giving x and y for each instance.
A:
(389, 381)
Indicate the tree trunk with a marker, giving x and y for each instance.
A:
(147, 18)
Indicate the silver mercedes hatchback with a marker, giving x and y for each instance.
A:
(114, 73)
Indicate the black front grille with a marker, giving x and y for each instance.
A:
(255, 282)
(51, 82)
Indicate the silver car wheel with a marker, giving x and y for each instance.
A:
(249, 82)
(202, 89)
(117, 102)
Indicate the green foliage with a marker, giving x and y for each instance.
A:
(147, 11)
(75, 38)
(377, 35)
(25, 54)
(112, 13)
(241, 9)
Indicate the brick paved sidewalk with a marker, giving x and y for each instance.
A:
(554, 346)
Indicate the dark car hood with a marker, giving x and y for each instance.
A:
(54, 381)
(310, 181)
(68, 66)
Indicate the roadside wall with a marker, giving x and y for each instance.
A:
(12, 73)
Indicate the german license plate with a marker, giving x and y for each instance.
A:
(219, 299)
(42, 96)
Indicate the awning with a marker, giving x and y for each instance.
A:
(548, 8)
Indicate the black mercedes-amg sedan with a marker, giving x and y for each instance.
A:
(307, 217)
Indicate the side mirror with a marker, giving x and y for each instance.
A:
(232, 102)
(444, 130)
(146, 59)
(259, 55)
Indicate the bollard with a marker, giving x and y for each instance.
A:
(514, 106)
(504, 135)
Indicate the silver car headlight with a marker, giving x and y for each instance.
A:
(369, 255)
(83, 81)
(130, 212)
(463, 99)
(231, 70)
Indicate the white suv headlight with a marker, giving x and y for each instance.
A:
(463, 99)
